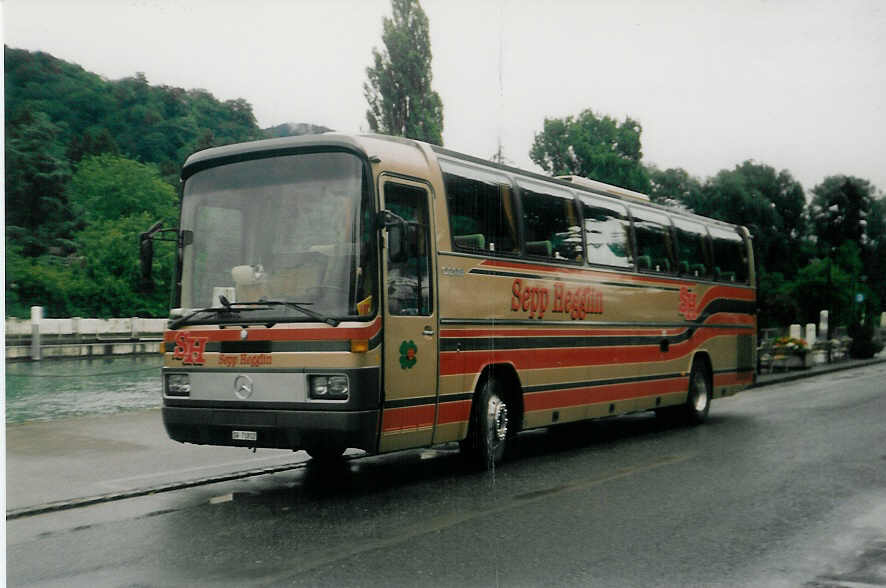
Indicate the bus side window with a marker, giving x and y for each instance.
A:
(730, 256)
(608, 233)
(693, 255)
(551, 225)
(654, 246)
(482, 218)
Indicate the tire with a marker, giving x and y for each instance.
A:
(489, 429)
(698, 401)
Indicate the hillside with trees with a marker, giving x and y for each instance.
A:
(90, 163)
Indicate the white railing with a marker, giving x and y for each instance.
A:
(32, 338)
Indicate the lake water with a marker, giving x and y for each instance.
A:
(52, 389)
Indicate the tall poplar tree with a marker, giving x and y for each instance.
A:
(398, 89)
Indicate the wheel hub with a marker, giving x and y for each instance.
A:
(499, 419)
(700, 401)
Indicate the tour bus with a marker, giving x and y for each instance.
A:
(380, 293)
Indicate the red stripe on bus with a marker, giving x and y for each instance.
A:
(542, 332)
(471, 362)
(453, 412)
(595, 394)
(416, 417)
(716, 292)
(283, 334)
(407, 417)
(729, 318)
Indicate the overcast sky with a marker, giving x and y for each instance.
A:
(798, 85)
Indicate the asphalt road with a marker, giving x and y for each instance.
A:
(784, 486)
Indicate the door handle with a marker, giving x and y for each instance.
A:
(428, 331)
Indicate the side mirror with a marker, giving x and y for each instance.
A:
(146, 257)
(146, 251)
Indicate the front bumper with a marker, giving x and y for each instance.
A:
(281, 429)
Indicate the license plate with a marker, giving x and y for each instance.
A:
(244, 435)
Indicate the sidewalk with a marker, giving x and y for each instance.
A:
(58, 464)
(790, 375)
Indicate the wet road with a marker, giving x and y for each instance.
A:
(785, 486)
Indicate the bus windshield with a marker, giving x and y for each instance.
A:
(294, 228)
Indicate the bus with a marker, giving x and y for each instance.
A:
(379, 293)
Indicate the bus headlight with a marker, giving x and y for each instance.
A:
(328, 387)
(178, 385)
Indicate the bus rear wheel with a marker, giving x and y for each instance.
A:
(698, 402)
(698, 399)
(489, 428)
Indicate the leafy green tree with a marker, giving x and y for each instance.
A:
(595, 147)
(109, 187)
(398, 88)
(106, 277)
(673, 186)
(839, 210)
(769, 203)
(814, 292)
(71, 238)
(37, 170)
(845, 212)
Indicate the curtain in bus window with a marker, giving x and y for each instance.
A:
(693, 258)
(607, 231)
(481, 210)
(654, 252)
(550, 225)
(730, 256)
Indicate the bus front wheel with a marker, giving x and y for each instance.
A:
(489, 427)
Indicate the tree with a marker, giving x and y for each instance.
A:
(844, 213)
(769, 203)
(37, 170)
(109, 187)
(673, 186)
(398, 89)
(595, 147)
(839, 210)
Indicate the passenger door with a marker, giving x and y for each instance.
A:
(410, 327)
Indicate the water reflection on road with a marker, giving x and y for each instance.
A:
(53, 389)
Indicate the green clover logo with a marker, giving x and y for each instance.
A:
(408, 351)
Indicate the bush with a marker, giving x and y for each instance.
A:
(863, 345)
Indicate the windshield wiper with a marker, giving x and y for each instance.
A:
(299, 306)
(183, 319)
(228, 307)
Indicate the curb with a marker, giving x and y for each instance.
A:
(50, 507)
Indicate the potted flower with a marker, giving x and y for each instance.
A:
(790, 352)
